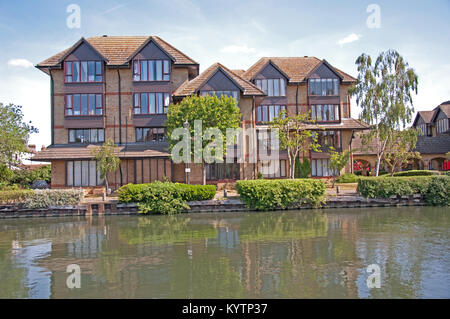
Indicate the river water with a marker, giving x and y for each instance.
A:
(295, 254)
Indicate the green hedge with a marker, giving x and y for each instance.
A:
(347, 178)
(416, 173)
(435, 189)
(54, 198)
(14, 196)
(281, 194)
(164, 197)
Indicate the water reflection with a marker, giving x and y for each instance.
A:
(308, 254)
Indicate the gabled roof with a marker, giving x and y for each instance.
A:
(425, 115)
(193, 86)
(117, 50)
(296, 68)
(444, 108)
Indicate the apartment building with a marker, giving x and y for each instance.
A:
(120, 88)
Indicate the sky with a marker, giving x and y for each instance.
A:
(234, 33)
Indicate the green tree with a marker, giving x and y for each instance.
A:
(214, 112)
(14, 134)
(107, 160)
(295, 136)
(400, 148)
(338, 160)
(384, 92)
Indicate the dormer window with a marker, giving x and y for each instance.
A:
(323, 87)
(83, 71)
(272, 87)
(151, 70)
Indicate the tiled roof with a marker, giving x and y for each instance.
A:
(117, 49)
(433, 144)
(361, 148)
(346, 124)
(445, 107)
(239, 72)
(427, 115)
(191, 87)
(80, 152)
(296, 68)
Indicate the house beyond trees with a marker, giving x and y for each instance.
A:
(120, 87)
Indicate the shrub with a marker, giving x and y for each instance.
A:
(437, 193)
(25, 178)
(281, 194)
(160, 197)
(14, 196)
(417, 173)
(347, 178)
(51, 198)
(433, 188)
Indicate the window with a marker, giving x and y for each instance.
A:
(151, 70)
(329, 138)
(321, 167)
(82, 174)
(325, 113)
(83, 71)
(221, 171)
(273, 169)
(234, 94)
(84, 104)
(150, 134)
(424, 129)
(151, 103)
(86, 135)
(324, 87)
(266, 113)
(442, 125)
(272, 87)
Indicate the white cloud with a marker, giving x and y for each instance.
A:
(349, 39)
(21, 63)
(237, 49)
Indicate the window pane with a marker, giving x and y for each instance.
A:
(158, 70)
(98, 68)
(84, 104)
(144, 71)
(76, 71)
(166, 70)
(283, 168)
(259, 118)
(160, 103)
(264, 85)
(71, 136)
(282, 87)
(270, 87)
(151, 70)
(92, 173)
(264, 111)
(152, 103)
(76, 104)
(144, 101)
(276, 87)
(336, 112)
(319, 112)
(313, 112)
(329, 86)
(271, 112)
(77, 173)
(91, 71)
(166, 102)
(85, 173)
(68, 68)
(336, 86)
(313, 168)
(94, 136)
(136, 71)
(91, 104)
(69, 174)
(84, 71)
(101, 135)
(258, 84)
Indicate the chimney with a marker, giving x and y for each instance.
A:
(105, 35)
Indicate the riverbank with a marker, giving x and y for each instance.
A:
(93, 207)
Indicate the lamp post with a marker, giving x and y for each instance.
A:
(188, 169)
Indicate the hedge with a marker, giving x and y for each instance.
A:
(14, 196)
(416, 173)
(164, 197)
(435, 189)
(53, 198)
(281, 194)
(347, 178)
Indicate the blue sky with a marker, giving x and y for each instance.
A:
(235, 33)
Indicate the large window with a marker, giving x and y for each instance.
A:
(273, 169)
(151, 70)
(325, 112)
(83, 174)
(84, 104)
(151, 103)
(442, 125)
(234, 94)
(321, 167)
(150, 134)
(324, 87)
(83, 71)
(266, 113)
(93, 135)
(220, 171)
(329, 138)
(272, 87)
